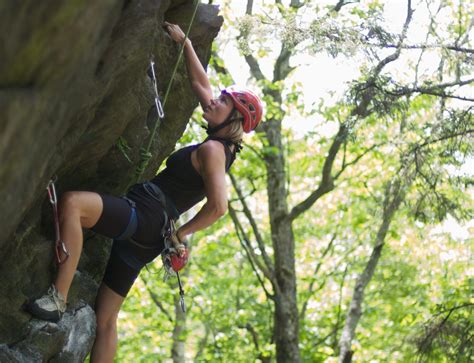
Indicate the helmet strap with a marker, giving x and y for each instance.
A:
(227, 121)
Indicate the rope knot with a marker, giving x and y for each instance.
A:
(145, 157)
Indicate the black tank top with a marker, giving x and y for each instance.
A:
(181, 182)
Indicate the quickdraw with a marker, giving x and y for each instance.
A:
(158, 105)
(145, 152)
(60, 246)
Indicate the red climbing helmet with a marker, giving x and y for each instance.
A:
(248, 104)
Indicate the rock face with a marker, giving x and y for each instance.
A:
(77, 102)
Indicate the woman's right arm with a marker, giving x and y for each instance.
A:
(211, 156)
(197, 74)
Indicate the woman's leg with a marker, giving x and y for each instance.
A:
(107, 307)
(76, 210)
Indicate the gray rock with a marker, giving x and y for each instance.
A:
(80, 329)
(73, 82)
(68, 341)
(10, 355)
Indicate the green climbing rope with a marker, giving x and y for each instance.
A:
(145, 154)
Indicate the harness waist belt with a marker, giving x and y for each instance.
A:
(155, 192)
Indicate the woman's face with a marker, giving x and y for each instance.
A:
(218, 110)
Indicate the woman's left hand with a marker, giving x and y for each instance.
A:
(175, 32)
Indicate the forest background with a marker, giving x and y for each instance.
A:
(349, 229)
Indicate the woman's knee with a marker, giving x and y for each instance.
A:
(69, 203)
(106, 323)
(86, 205)
(107, 308)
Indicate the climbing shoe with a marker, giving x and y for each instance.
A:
(50, 306)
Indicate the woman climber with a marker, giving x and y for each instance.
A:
(136, 222)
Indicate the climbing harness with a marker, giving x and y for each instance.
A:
(60, 247)
(173, 261)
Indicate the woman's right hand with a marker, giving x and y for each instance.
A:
(175, 32)
(180, 245)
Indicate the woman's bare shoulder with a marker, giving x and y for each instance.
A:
(211, 150)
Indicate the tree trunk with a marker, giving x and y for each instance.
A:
(393, 197)
(355, 308)
(179, 329)
(286, 324)
(286, 319)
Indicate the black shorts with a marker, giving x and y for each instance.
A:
(127, 259)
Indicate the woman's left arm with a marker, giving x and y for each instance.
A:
(197, 74)
(211, 158)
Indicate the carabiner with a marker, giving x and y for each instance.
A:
(181, 294)
(61, 247)
(52, 192)
(159, 107)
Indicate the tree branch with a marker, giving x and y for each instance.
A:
(202, 343)
(315, 273)
(156, 301)
(323, 339)
(327, 182)
(339, 309)
(250, 59)
(282, 67)
(255, 229)
(296, 4)
(342, 3)
(445, 95)
(442, 138)
(215, 60)
(394, 194)
(395, 55)
(434, 330)
(456, 307)
(429, 46)
(255, 339)
(253, 333)
(248, 10)
(253, 259)
(355, 161)
(403, 91)
(361, 108)
(254, 67)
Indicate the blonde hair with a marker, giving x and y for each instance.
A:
(235, 129)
